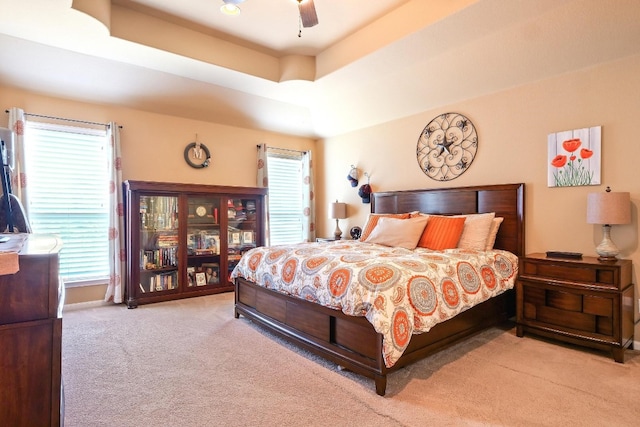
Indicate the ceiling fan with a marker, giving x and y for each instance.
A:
(308, 14)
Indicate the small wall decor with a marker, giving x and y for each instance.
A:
(574, 157)
(365, 190)
(447, 146)
(197, 155)
(353, 176)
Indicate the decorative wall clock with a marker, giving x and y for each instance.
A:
(447, 146)
(197, 155)
(355, 232)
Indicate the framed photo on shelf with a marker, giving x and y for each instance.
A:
(201, 278)
(191, 276)
(247, 238)
(213, 243)
(212, 272)
(234, 238)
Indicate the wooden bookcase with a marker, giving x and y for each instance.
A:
(183, 240)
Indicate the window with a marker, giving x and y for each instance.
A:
(285, 197)
(67, 195)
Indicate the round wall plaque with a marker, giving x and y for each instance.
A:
(447, 146)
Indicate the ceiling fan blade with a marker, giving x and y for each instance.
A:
(308, 14)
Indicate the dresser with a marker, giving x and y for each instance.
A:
(31, 334)
(580, 301)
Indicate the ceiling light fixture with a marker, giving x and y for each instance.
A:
(230, 7)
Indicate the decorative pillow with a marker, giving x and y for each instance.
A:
(403, 233)
(495, 226)
(373, 220)
(476, 230)
(442, 232)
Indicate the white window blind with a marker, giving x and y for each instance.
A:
(68, 180)
(285, 197)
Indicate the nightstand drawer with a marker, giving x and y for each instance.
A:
(569, 272)
(566, 320)
(598, 305)
(567, 311)
(563, 300)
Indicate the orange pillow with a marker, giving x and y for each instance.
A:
(373, 221)
(442, 232)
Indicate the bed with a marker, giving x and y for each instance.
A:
(352, 341)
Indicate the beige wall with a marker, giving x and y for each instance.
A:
(512, 129)
(153, 147)
(153, 144)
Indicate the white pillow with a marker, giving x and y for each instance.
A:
(403, 233)
(491, 240)
(476, 231)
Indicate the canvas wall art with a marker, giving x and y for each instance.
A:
(574, 157)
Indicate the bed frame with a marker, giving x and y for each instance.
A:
(351, 342)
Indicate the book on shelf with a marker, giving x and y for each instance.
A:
(163, 282)
(159, 258)
(167, 240)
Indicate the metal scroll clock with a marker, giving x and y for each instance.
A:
(197, 155)
(447, 146)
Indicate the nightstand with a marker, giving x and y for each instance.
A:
(580, 301)
(326, 239)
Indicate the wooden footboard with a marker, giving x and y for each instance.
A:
(351, 341)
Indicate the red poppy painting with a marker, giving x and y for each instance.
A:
(574, 157)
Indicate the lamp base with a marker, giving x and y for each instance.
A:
(337, 233)
(607, 250)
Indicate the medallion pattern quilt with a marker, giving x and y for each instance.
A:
(400, 291)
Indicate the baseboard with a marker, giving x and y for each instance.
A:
(85, 305)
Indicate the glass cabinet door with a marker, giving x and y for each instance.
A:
(203, 241)
(158, 244)
(242, 232)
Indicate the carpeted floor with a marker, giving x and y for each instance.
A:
(191, 363)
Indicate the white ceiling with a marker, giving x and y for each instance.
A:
(371, 60)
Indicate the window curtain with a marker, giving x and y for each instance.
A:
(262, 181)
(16, 161)
(308, 197)
(117, 257)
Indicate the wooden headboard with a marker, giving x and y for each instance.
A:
(506, 200)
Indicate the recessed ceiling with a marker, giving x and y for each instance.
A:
(365, 63)
(270, 25)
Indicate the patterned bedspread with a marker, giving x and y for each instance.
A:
(401, 292)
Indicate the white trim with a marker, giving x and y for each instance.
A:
(86, 305)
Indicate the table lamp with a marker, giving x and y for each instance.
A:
(608, 208)
(337, 211)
